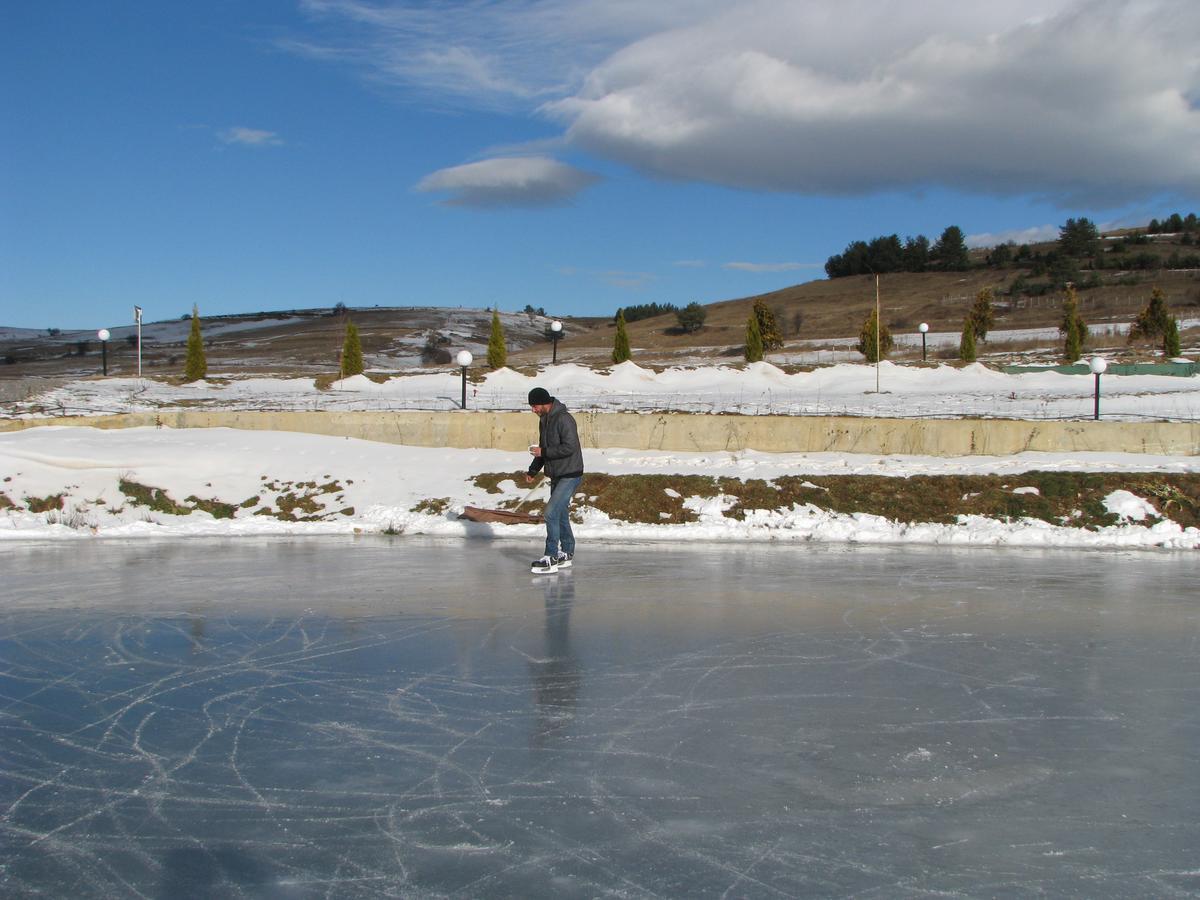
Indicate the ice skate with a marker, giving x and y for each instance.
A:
(544, 566)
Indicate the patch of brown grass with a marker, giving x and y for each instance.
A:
(1061, 498)
(44, 504)
(155, 498)
(212, 506)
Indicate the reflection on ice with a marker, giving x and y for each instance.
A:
(555, 676)
(366, 718)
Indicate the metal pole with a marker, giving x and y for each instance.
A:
(878, 328)
(137, 317)
(104, 356)
(922, 346)
(464, 387)
(554, 340)
(1097, 413)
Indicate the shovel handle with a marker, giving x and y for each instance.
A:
(536, 485)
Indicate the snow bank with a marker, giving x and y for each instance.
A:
(365, 487)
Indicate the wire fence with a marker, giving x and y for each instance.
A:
(1181, 406)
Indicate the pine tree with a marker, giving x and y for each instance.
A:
(497, 350)
(867, 341)
(982, 316)
(1171, 339)
(966, 346)
(196, 366)
(754, 340)
(1001, 255)
(1073, 328)
(352, 357)
(691, 317)
(1079, 237)
(767, 327)
(621, 344)
(950, 251)
(1151, 322)
(916, 254)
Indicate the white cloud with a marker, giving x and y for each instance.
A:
(484, 54)
(1035, 235)
(249, 137)
(528, 181)
(1089, 101)
(1075, 101)
(769, 267)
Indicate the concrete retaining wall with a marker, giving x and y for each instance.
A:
(685, 432)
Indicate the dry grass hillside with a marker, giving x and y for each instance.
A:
(831, 312)
(820, 316)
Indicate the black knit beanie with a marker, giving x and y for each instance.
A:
(538, 396)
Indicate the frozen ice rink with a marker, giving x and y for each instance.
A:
(404, 717)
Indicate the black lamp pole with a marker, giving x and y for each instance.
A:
(104, 336)
(1097, 365)
(464, 359)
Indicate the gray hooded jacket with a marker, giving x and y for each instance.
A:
(558, 437)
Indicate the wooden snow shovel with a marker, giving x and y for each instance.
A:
(504, 516)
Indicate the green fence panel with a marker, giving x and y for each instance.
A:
(1182, 370)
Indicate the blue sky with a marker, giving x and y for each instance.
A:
(576, 155)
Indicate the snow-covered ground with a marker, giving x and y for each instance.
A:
(364, 487)
(156, 332)
(758, 389)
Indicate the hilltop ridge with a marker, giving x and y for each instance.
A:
(825, 313)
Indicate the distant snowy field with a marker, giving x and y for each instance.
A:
(757, 389)
(374, 487)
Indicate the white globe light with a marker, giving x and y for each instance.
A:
(103, 334)
(464, 358)
(556, 326)
(1098, 365)
(923, 327)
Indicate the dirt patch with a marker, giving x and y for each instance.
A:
(44, 504)
(152, 497)
(1059, 498)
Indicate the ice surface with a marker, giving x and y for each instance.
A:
(380, 717)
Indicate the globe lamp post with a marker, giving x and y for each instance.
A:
(924, 329)
(104, 336)
(464, 359)
(1097, 365)
(555, 334)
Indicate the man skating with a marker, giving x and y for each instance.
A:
(559, 454)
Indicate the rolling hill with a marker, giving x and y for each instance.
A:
(823, 314)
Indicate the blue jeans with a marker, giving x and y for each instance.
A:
(558, 516)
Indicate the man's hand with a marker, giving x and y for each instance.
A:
(529, 479)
